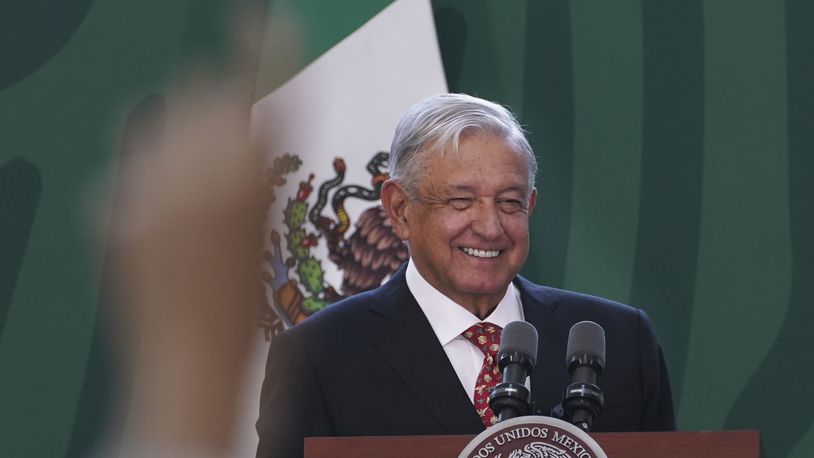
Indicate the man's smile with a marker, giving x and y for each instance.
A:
(480, 253)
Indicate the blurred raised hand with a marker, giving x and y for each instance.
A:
(183, 238)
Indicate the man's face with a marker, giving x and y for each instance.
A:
(468, 232)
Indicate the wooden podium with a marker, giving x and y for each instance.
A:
(718, 444)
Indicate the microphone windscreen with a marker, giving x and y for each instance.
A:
(586, 337)
(520, 337)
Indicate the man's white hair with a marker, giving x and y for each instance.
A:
(438, 124)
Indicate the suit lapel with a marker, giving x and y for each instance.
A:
(402, 334)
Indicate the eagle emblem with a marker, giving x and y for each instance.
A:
(293, 274)
(539, 450)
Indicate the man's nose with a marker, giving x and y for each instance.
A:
(486, 222)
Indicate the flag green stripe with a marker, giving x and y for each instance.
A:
(783, 422)
(671, 170)
(607, 52)
(327, 23)
(548, 110)
(299, 31)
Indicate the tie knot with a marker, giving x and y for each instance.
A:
(485, 336)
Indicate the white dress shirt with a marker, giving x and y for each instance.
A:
(449, 320)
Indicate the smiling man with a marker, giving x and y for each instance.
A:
(416, 356)
(467, 220)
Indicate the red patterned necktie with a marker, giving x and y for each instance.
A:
(486, 336)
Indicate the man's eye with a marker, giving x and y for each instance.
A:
(460, 203)
(511, 205)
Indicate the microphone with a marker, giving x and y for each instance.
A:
(516, 359)
(585, 359)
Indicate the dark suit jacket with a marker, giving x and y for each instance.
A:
(371, 365)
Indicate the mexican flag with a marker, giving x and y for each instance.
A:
(326, 133)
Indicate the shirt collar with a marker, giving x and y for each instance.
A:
(447, 318)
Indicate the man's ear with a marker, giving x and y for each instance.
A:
(397, 205)
(532, 200)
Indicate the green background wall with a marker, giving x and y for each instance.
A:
(676, 143)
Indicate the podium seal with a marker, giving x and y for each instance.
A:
(533, 437)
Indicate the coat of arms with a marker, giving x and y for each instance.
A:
(293, 274)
